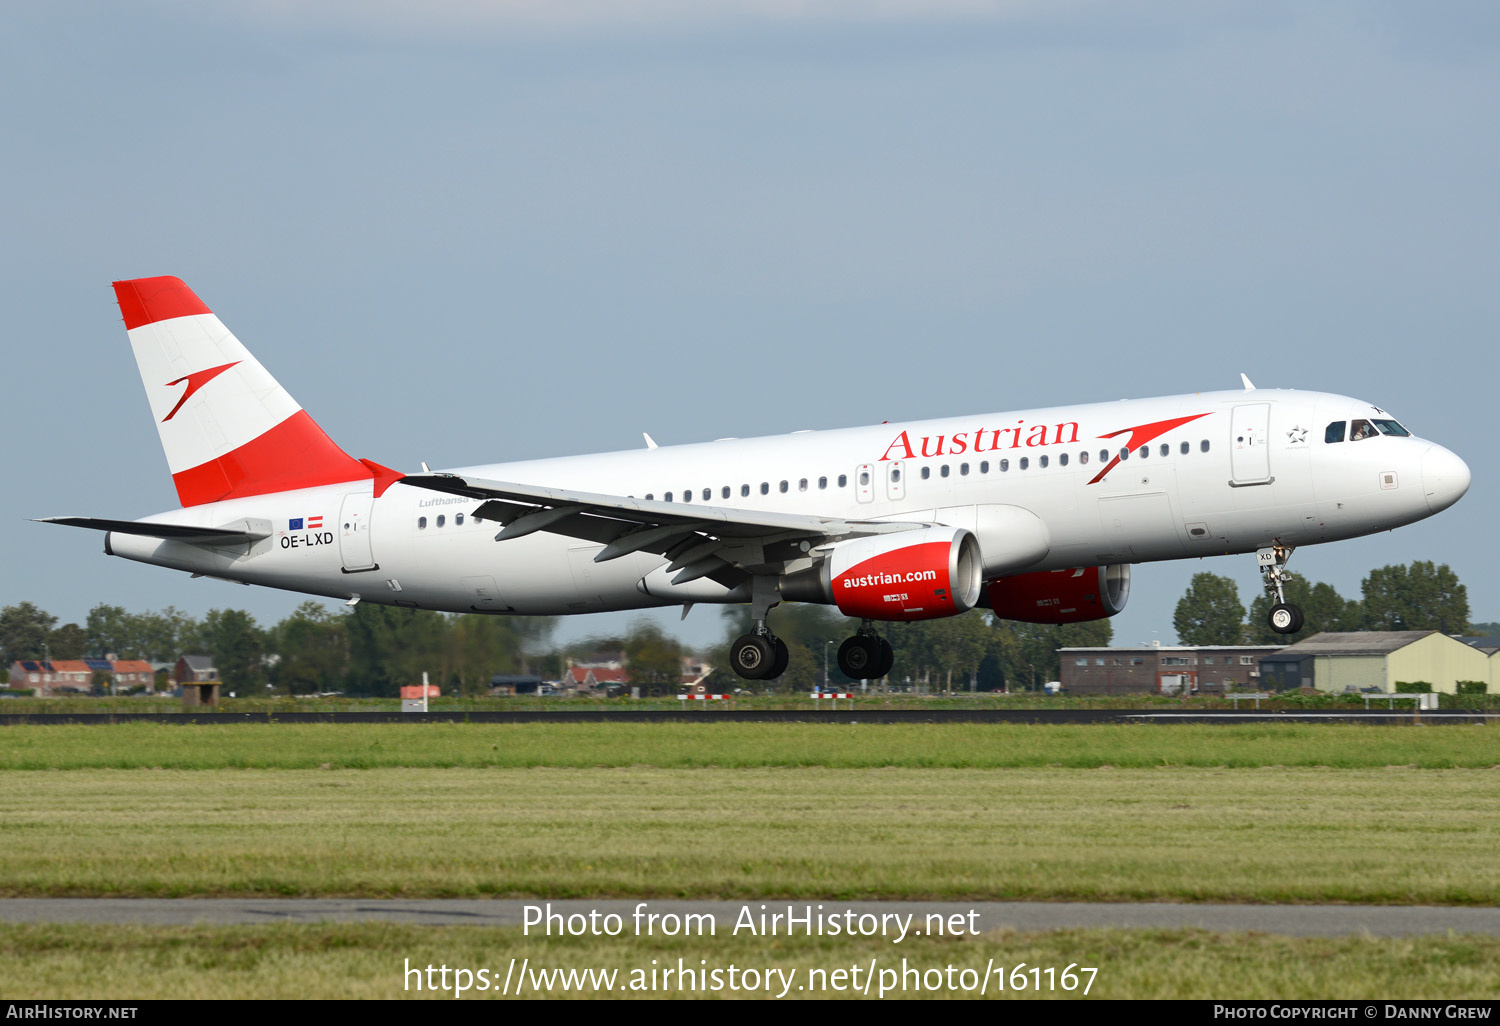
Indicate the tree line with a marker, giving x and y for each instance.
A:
(1418, 597)
(373, 649)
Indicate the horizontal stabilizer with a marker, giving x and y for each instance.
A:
(174, 532)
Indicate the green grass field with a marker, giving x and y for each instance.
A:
(1175, 834)
(367, 961)
(692, 745)
(1258, 813)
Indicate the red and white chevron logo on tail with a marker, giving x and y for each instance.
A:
(195, 381)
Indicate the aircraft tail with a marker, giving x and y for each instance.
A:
(228, 428)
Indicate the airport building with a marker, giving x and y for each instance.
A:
(1339, 661)
(1162, 669)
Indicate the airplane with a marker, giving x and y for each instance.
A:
(1037, 515)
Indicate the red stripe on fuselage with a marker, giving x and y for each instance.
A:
(148, 300)
(1140, 435)
(293, 454)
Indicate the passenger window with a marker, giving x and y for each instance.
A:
(984, 466)
(1124, 454)
(1166, 450)
(1103, 455)
(1062, 460)
(1083, 457)
(1360, 430)
(1186, 447)
(1334, 432)
(441, 520)
(421, 523)
(1145, 451)
(1390, 427)
(1203, 445)
(926, 473)
(802, 485)
(864, 478)
(765, 488)
(667, 497)
(963, 470)
(648, 497)
(458, 520)
(687, 495)
(782, 486)
(725, 492)
(744, 489)
(1042, 462)
(843, 480)
(1004, 466)
(708, 493)
(1025, 462)
(822, 483)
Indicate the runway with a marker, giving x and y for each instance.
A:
(1290, 920)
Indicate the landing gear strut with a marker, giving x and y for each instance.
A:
(866, 655)
(1285, 618)
(760, 655)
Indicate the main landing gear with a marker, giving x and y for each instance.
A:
(1285, 618)
(866, 655)
(759, 655)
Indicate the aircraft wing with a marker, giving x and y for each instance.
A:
(702, 540)
(240, 533)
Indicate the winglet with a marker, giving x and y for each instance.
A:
(650, 442)
(1248, 386)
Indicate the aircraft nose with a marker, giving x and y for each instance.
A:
(1445, 478)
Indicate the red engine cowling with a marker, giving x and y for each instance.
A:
(910, 575)
(1062, 596)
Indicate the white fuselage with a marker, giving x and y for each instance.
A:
(1248, 469)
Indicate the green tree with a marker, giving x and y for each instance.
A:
(69, 641)
(24, 630)
(1419, 597)
(1209, 612)
(653, 658)
(1323, 608)
(313, 646)
(1029, 650)
(390, 646)
(238, 647)
(109, 629)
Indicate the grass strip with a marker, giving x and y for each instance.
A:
(1172, 834)
(366, 960)
(741, 745)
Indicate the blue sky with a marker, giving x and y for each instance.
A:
(464, 232)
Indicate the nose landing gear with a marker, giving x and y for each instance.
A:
(1284, 618)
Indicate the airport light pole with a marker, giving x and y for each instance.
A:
(825, 664)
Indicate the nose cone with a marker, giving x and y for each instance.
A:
(1445, 478)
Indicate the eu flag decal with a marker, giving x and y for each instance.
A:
(295, 524)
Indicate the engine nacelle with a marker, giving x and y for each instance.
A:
(910, 575)
(1062, 596)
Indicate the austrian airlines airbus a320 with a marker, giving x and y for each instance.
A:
(1036, 514)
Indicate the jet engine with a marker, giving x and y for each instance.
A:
(911, 575)
(1061, 596)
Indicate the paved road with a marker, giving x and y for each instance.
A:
(1294, 920)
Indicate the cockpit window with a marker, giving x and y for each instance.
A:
(1390, 427)
(1334, 432)
(1360, 429)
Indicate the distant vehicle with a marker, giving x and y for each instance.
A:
(1053, 687)
(1035, 514)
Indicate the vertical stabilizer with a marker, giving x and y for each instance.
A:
(228, 428)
